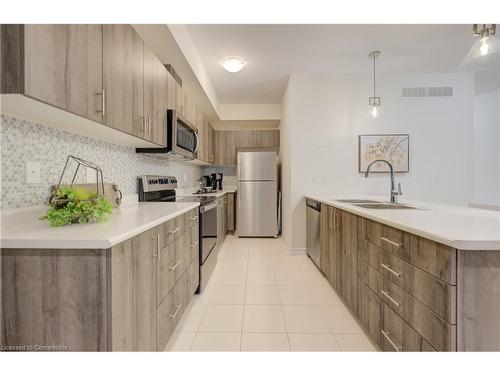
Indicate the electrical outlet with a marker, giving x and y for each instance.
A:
(33, 172)
(90, 176)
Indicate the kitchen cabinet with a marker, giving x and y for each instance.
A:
(221, 220)
(257, 138)
(230, 212)
(348, 258)
(155, 98)
(225, 147)
(210, 142)
(330, 248)
(123, 73)
(60, 65)
(126, 298)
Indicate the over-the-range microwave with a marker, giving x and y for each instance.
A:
(181, 139)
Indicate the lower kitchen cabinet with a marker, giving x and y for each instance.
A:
(402, 288)
(126, 298)
(231, 213)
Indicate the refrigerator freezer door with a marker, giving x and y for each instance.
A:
(257, 209)
(257, 166)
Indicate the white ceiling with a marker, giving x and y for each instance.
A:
(273, 52)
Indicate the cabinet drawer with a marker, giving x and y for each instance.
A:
(192, 218)
(193, 277)
(180, 295)
(388, 238)
(437, 259)
(397, 335)
(372, 314)
(173, 229)
(194, 242)
(431, 291)
(166, 277)
(434, 329)
(182, 254)
(164, 323)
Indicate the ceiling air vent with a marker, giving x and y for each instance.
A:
(422, 92)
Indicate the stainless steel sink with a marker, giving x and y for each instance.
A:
(385, 206)
(357, 201)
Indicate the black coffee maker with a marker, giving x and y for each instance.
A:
(217, 181)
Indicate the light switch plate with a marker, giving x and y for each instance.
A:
(33, 172)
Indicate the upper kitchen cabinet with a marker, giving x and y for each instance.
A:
(210, 142)
(225, 147)
(155, 98)
(62, 65)
(258, 138)
(123, 71)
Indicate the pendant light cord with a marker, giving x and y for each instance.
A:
(374, 75)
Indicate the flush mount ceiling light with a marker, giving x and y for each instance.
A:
(374, 101)
(485, 52)
(232, 64)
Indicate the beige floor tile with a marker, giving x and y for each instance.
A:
(262, 295)
(325, 295)
(261, 278)
(260, 256)
(287, 265)
(354, 343)
(263, 319)
(191, 319)
(304, 319)
(260, 265)
(222, 318)
(265, 342)
(290, 278)
(340, 320)
(231, 278)
(227, 295)
(236, 255)
(234, 265)
(180, 341)
(314, 278)
(296, 295)
(313, 342)
(216, 342)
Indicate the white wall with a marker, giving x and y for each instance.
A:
(486, 170)
(330, 112)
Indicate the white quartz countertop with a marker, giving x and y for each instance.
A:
(188, 192)
(459, 227)
(22, 229)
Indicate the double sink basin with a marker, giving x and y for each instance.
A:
(376, 205)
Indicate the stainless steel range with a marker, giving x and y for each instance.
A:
(162, 189)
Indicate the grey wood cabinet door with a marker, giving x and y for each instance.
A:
(155, 98)
(258, 138)
(63, 67)
(210, 134)
(123, 79)
(348, 224)
(226, 147)
(133, 293)
(324, 234)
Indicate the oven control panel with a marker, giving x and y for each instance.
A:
(150, 183)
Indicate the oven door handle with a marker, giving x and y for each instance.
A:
(197, 142)
(209, 207)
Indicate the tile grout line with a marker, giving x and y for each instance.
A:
(244, 302)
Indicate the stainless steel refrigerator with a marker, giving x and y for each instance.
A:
(257, 210)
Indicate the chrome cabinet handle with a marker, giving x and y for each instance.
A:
(194, 244)
(178, 307)
(386, 267)
(386, 336)
(390, 242)
(103, 103)
(157, 255)
(171, 268)
(194, 218)
(173, 231)
(388, 296)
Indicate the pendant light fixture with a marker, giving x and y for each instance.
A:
(485, 52)
(374, 101)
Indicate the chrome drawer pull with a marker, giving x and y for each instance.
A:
(385, 266)
(390, 242)
(173, 231)
(386, 336)
(171, 268)
(194, 218)
(388, 296)
(172, 316)
(194, 244)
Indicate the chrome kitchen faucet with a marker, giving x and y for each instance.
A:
(394, 193)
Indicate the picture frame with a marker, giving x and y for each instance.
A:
(395, 148)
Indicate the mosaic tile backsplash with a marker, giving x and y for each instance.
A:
(23, 141)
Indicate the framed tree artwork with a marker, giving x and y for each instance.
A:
(395, 148)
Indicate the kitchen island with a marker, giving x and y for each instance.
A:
(417, 279)
(121, 285)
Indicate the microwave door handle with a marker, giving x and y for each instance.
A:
(197, 143)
